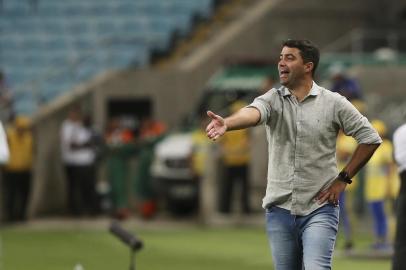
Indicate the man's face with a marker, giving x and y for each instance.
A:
(291, 67)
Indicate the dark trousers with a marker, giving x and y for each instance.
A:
(399, 258)
(234, 175)
(81, 185)
(16, 186)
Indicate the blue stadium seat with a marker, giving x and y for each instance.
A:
(16, 9)
(64, 43)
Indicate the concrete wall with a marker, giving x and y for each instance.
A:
(173, 93)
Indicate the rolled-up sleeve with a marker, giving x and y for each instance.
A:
(262, 104)
(354, 124)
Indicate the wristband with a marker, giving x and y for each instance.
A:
(344, 177)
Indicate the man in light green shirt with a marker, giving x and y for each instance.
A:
(302, 121)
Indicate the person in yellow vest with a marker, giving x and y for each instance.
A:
(377, 188)
(200, 148)
(17, 171)
(235, 157)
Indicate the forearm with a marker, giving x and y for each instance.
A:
(360, 157)
(244, 118)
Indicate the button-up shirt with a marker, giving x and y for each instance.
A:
(302, 143)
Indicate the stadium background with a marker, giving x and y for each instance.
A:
(155, 57)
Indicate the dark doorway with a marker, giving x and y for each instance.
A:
(129, 110)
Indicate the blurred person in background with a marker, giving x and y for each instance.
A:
(302, 121)
(4, 157)
(379, 172)
(96, 145)
(190, 201)
(343, 84)
(346, 145)
(200, 147)
(235, 149)
(18, 170)
(79, 157)
(151, 128)
(4, 150)
(151, 132)
(118, 139)
(399, 144)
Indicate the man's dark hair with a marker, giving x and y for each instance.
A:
(308, 51)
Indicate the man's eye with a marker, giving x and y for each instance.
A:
(287, 58)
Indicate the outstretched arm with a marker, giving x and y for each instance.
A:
(244, 118)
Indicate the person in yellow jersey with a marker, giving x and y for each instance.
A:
(17, 171)
(235, 157)
(379, 171)
(345, 147)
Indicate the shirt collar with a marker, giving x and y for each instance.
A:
(285, 91)
(314, 91)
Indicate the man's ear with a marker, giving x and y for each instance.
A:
(309, 67)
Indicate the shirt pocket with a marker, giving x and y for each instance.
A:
(318, 128)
